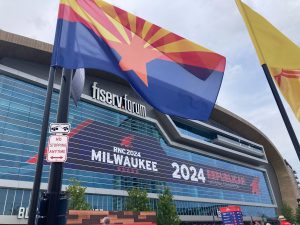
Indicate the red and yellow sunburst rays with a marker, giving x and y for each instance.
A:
(288, 74)
(137, 41)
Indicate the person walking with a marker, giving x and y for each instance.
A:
(283, 220)
(256, 223)
(106, 220)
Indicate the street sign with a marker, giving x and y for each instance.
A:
(57, 148)
(232, 215)
(60, 128)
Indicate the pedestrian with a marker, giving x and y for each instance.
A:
(106, 220)
(283, 220)
(257, 223)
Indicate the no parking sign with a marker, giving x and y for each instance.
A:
(57, 148)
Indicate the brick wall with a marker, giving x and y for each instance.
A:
(78, 217)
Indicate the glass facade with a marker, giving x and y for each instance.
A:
(12, 199)
(21, 107)
(209, 136)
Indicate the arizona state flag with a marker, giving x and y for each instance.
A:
(280, 54)
(174, 75)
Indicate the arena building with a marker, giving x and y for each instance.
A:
(119, 142)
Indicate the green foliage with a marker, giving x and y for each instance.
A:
(297, 215)
(137, 200)
(288, 213)
(76, 192)
(166, 210)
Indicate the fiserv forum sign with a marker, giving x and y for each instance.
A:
(121, 102)
(114, 150)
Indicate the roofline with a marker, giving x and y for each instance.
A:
(25, 41)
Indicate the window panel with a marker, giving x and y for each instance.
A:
(9, 202)
(17, 202)
(3, 196)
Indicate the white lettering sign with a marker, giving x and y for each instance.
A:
(23, 213)
(124, 157)
(57, 148)
(184, 172)
(121, 102)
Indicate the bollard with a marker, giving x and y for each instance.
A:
(41, 218)
(62, 207)
(62, 210)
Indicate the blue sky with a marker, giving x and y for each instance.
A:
(215, 24)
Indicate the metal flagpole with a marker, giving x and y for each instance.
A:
(282, 111)
(40, 157)
(56, 172)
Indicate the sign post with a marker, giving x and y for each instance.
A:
(56, 172)
(40, 159)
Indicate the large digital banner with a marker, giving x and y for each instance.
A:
(99, 147)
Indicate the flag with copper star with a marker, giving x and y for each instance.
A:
(174, 75)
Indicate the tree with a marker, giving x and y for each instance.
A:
(288, 213)
(297, 215)
(77, 193)
(137, 200)
(166, 210)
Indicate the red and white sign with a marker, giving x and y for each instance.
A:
(57, 148)
(230, 209)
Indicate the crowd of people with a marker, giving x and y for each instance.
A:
(282, 221)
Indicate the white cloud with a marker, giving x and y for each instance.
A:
(34, 18)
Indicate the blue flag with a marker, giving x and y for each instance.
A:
(174, 75)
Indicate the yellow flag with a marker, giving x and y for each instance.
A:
(281, 55)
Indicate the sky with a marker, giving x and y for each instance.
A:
(214, 24)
